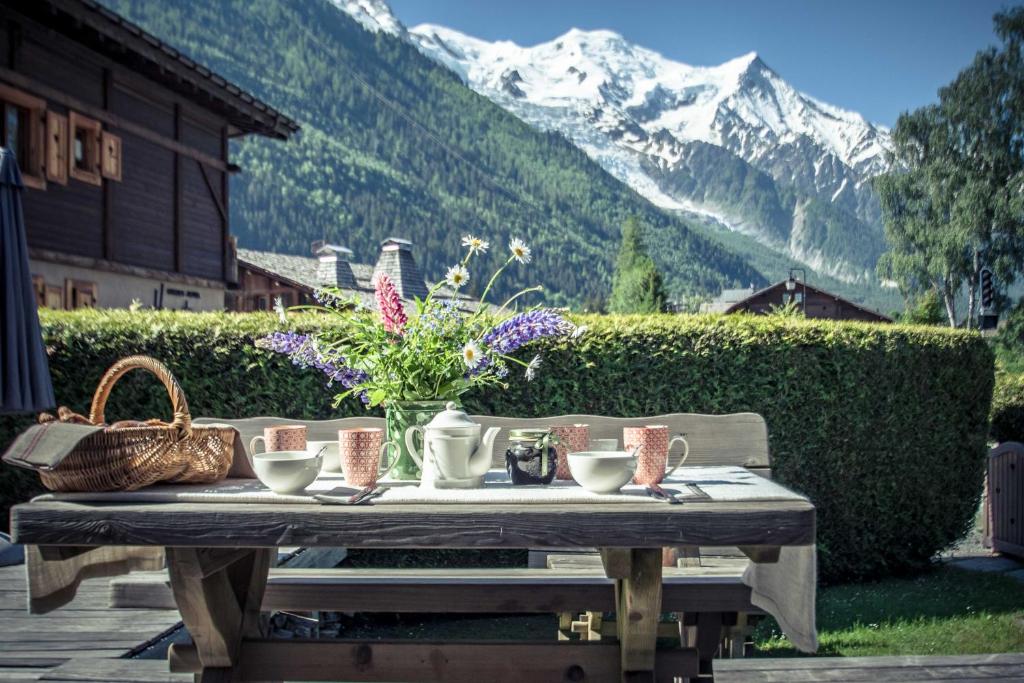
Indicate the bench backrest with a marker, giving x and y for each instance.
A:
(737, 439)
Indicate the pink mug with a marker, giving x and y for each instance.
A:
(362, 450)
(652, 443)
(281, 438)
(571, 438)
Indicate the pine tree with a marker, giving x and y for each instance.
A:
(637, 286)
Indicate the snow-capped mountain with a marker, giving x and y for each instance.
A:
(735, 141)
(373, 15)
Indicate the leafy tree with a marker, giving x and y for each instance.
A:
(955, 201)
(925, 309)
(637, 286)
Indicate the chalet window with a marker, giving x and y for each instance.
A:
(21, 131)
(79, 294)
(84, 153)
(57, 148)
(39, 287)
(54, 297)
(111, 156)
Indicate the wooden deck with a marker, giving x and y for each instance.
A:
(32, 647)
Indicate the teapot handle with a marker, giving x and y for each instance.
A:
(411, 446)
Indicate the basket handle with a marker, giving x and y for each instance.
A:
(182, 421)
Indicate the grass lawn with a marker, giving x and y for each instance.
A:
(946, 611)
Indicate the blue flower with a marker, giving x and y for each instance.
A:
(302, 349)
(524, 328)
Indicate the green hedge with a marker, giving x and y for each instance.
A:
(1008, 408)
(883, 426)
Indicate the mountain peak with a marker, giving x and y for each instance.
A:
(373, 15)
(597, 35)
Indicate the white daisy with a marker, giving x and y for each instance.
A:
(520, 252)
(475, 244)
(457, 276)
(532, 367)
(471, 355)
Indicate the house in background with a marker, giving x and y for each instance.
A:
(123, 146)
(264, 276)
(813, 302)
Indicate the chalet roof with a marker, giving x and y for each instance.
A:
(108, 33)
(301, 272)
(800, 286)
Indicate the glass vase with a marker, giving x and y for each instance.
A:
(400, 415)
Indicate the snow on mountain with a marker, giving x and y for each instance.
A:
(374, 15)
(639, 114)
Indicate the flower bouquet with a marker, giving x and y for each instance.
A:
(413, 362)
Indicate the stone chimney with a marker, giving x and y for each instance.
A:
(333, 269)
(396, 260)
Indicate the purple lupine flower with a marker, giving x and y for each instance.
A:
(524, 328)
(302, 349)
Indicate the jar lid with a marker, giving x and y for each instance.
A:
(452, 418)
(527, 434)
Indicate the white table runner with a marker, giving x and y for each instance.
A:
(688, 484)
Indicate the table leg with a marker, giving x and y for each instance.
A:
(637, 575)
(218, 594)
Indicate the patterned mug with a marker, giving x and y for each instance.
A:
(281, 438)
(571, 438)
(362, 452)
(653, 444)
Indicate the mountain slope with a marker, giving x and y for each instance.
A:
(392, 143)
(683, 136)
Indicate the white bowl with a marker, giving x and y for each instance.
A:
(332, 459)
(287, 471)
(602, 471)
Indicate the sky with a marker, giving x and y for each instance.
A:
(876, 57)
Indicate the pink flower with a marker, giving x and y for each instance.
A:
(392, 312)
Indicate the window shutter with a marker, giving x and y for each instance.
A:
(57, 148)
(111, 156)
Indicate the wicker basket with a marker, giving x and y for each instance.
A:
(125, 458)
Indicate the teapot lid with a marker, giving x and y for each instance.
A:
(452, 418)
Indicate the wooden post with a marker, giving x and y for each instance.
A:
(638, 602)
(219, 602)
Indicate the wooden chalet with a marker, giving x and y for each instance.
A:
(814, 302)
(123, 146)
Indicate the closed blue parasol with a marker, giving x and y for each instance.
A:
(25, 385)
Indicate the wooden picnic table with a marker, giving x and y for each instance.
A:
(219, 556)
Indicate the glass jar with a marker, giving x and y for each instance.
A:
(531, 457)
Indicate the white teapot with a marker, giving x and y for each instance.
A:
(454, 455)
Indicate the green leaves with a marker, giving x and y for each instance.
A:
(953, 204)
(637, 286)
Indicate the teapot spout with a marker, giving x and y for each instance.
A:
(481, 460)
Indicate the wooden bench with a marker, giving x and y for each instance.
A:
(467, 591)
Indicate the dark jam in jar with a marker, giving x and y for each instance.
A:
(531, 457)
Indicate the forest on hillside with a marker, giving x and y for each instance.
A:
(393, 144)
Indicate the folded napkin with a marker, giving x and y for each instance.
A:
(44, 446)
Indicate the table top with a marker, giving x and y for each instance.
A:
(710, 523)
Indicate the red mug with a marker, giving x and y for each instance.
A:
(571, 439)
(361, 451)
(652, 443)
